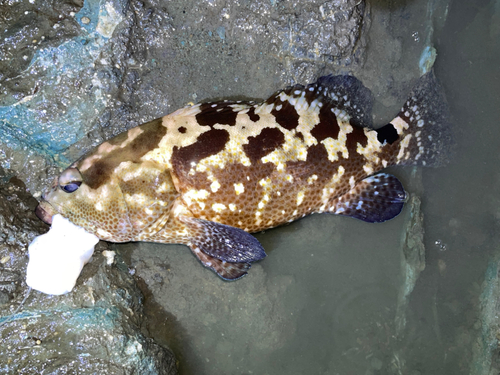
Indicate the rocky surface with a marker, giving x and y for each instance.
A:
(88, 71)
(94, 329)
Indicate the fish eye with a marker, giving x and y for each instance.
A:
(71, 187)
(70, 180)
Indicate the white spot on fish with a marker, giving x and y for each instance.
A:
(239, 188)
(311, 179)
(368, 168)
(400, 125)
(300, 198)
(215, 186)
(195, 195)
(352, 182)
(218, 207)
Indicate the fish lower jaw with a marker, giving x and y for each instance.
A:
(44, 211)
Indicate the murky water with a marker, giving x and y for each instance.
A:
(325, 300)
(461, 202)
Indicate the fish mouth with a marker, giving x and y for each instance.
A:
(45, 211)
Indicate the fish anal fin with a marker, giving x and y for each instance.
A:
(375, 199)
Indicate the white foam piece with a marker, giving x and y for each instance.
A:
(58, 256)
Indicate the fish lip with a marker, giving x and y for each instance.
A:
(44, 211)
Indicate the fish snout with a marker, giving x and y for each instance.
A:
(45, 212)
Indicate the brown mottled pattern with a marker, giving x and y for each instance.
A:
(272, 196)
(143, 190)
(253, 116)
(287, 116)
(102, 169)
(217, 113)
(266, 142)
(281, 206)
(327, 126)
(316, 163)
(357, 136)
(228, 176)
(207, 144)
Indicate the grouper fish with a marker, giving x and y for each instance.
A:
(209, 174)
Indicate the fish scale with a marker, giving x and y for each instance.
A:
(208, 174)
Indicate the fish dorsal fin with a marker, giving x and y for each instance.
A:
(348, 94)
(221, 112)
(375, 199)
(345, 95)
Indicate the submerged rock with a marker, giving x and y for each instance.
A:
(412, 260)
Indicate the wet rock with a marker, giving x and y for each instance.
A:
(487, 334)
(18, 227)
(101, 67)
(412, 259)
(93, 329)
(58, 81)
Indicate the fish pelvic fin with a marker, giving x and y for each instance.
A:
(225, 270)
(421, 133)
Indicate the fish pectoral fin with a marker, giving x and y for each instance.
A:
(227, 271)
(223, 243)
(375, 199)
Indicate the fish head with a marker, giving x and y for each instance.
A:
(115, 192)
(101, 211)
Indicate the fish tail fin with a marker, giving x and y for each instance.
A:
(421, 133)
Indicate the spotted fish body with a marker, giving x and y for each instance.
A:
(208, 174)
